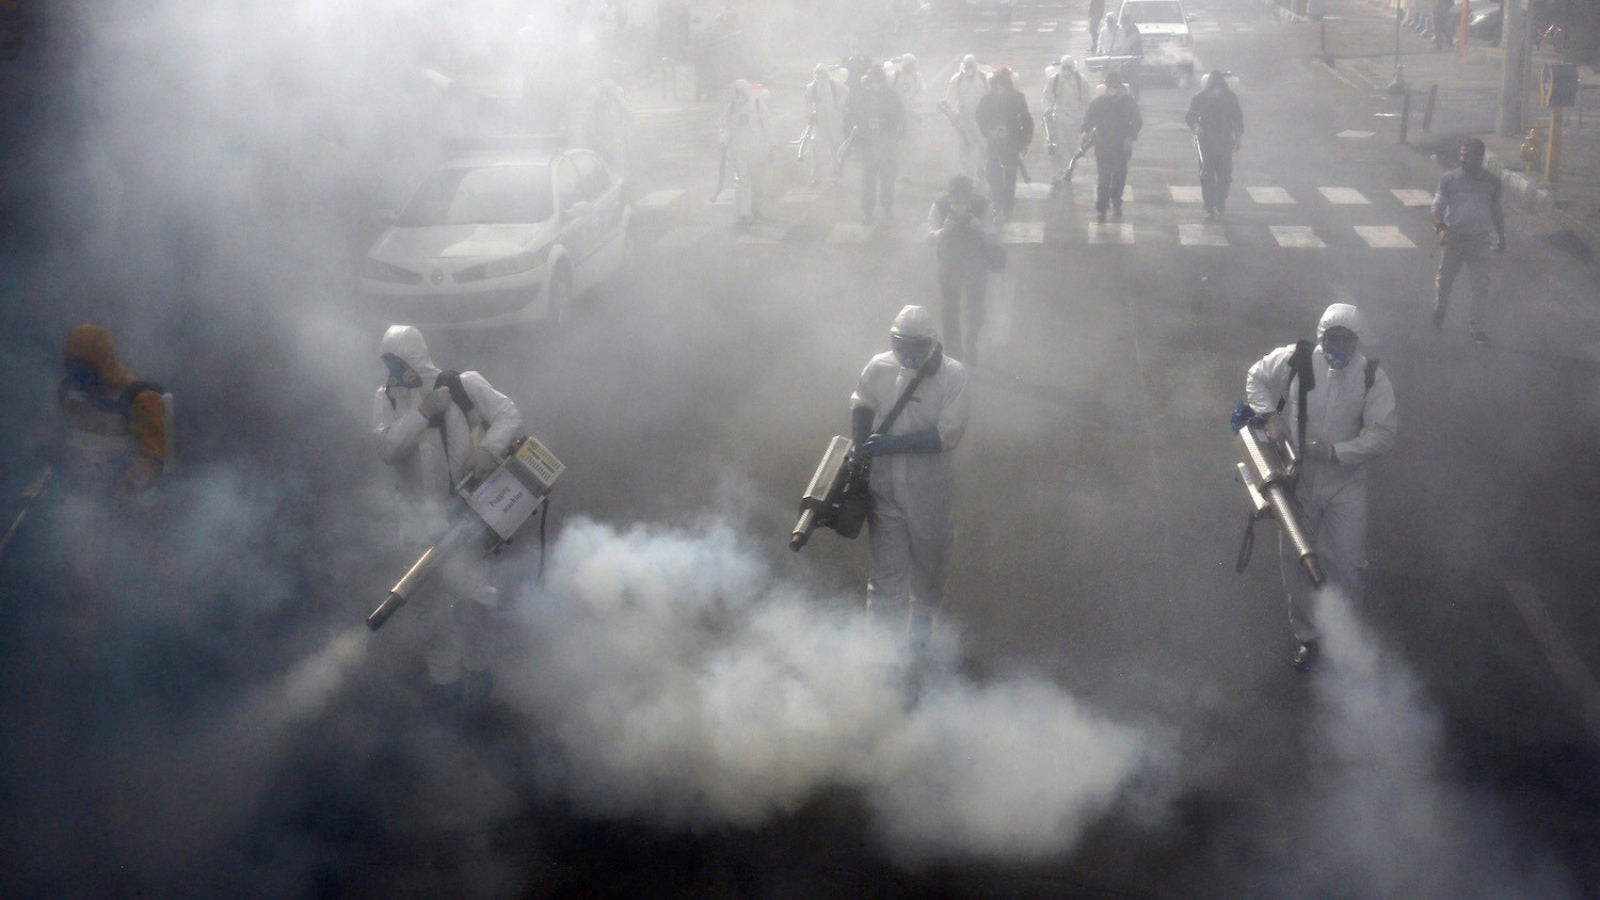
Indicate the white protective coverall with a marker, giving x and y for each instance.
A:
(429, 461)
(747, 139)
(1360, 424)
(1063, 91)
(961, 98)
(905, 76)
(825, 114)
(911, 523)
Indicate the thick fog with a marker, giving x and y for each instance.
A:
(194, 702)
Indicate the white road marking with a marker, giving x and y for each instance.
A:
(1022, 233)
(1564, 661)
(1384, 237)
(1296, 236)
(1344, 196)
(657, 199)
(1355, 134)
(1114, 233)
(1270, 195)
(1186, 193)
(1413, 197)
(1194, 234)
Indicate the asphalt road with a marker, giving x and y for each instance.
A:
(1098, 518)
(1447, 748)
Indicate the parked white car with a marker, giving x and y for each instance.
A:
(1166, 41)
(501, 238)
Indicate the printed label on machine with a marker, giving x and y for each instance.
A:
(503, 502)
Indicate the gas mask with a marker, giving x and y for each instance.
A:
(1339, 345)
(401, 374)
(82, 373)
(912, 352)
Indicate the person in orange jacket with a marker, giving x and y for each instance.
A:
(113, 426)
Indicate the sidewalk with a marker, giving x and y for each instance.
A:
(1357, 39)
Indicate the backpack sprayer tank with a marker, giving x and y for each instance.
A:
(496, 507)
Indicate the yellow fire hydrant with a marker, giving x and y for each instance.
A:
(1533, 146)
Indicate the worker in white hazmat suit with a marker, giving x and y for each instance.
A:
(961, 98)
(1063, 96)
(435, 428)
(825, 98)
(910, 522)
(1349, 419)
(747, 140)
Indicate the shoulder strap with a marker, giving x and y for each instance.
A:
(125, 402)
(1305, 381)
(451, 379)
(1372, 373)
(928, 368)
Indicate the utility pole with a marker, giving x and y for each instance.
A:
(1513, 66)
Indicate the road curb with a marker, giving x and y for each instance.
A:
(1529, 192)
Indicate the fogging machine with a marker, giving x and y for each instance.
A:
(1268, 474)
(493, 509)
(837, 495)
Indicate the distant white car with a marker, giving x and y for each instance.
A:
(1164, 35)
(500, 238)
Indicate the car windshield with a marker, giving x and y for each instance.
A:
(488, 195)
(1149, 12)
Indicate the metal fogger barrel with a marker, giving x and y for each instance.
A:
(1270, 483)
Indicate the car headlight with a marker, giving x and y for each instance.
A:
(499, 268)
(378, 270)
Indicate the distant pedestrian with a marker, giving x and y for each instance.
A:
(1217, 121)
(1470, 223)
(748, 146)
(1114, 121)
(961, 226)
(966, 90)
(1441, 24)
(1007, 129)
(876, 121)
(1097, 12)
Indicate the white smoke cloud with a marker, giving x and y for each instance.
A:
(1386, 821)
(684, 686)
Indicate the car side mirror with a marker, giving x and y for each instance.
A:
(578, 210)
(1191, 17)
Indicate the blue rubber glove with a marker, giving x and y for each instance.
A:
(880, 444)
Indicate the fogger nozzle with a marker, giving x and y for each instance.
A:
(385, 609)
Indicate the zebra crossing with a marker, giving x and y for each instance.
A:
(1039, 220)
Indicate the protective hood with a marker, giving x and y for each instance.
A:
(1217, 81)
(914, 322)
(406, 342)
(92, 346)
(1342, 315)
(969, 62)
